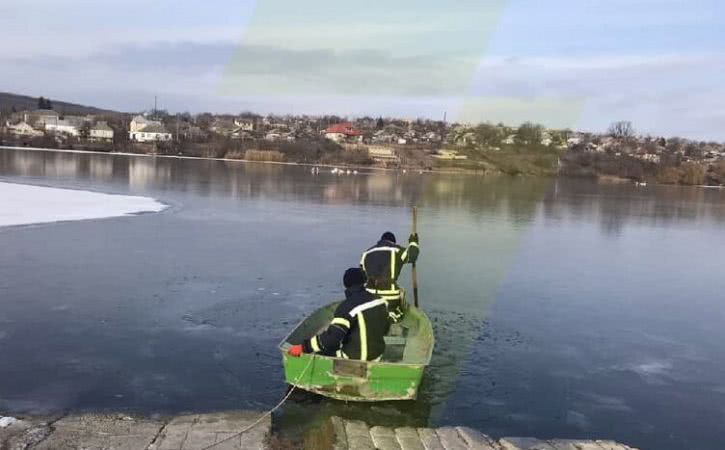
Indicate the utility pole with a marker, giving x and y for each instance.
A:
(155, 106)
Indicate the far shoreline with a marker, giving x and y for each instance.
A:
(603, 179)
(281, 163)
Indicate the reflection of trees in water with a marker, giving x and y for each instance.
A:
(143, 172)
(516, 199)
(513, 197)
(101, 169)
(617, 205)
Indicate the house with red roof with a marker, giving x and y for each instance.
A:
(341, 132)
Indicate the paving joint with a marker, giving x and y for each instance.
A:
(158, 435)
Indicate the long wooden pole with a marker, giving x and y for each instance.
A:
(414, 275)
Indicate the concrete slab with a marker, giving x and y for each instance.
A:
(408, 438)
(430, 439)
(201, 430)
(338, 428)
(384, 438)
(99, 431)
(476, 440)
(451, 439)
(358, 435)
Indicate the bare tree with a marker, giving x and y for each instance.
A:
(529, 133)
(488, 135)
(621, 130)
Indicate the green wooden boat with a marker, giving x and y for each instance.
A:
(396, 376)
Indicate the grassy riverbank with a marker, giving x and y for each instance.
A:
(509, 160)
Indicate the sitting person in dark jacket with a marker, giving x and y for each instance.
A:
(358, 327)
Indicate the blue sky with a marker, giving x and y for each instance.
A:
(565, 63)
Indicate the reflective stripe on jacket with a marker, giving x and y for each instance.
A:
(382, 264)
(357, 328)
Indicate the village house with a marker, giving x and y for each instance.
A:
(23, 129)
(140, 122)
(235, 129)
(225, 127)
(343, 132)
(432, 137)
(142, 129)
(383, 137)
(40, 117)
(101, 132)
(465, 138)
(279, 135)
(69, 125)
(151, 133)
(245, 124)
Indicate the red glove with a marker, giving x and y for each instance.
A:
(295, 350)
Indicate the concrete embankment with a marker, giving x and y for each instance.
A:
(121, 432)
(221, 431)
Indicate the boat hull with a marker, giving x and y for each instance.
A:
(396, 377)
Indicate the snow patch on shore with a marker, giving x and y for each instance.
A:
(7, 421)
(22, 204)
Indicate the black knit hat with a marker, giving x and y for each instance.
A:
(354, 276)
(388, 236)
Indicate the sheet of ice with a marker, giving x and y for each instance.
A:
(22, 204)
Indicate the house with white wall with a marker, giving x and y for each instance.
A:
(139, 122)
(40, 117)
(150, 133)
(101, 132)
(70, 126)
(23, 129)
(245, 124)
(142, 129)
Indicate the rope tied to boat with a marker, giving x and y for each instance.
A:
(268, 413)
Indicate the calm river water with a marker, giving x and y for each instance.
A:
(562, 308)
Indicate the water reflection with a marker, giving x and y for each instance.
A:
(615, 205)
(618, 205)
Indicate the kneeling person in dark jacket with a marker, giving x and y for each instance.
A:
(358, 328)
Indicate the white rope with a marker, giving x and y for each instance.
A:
(268, 413)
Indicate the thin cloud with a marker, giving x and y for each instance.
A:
(655, 62)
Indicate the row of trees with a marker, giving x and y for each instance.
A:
(528, 134)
